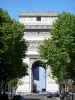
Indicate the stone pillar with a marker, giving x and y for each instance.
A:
(31, 75)
(46, 77)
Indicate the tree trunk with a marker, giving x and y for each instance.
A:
(0, 91)
(11, 92)
(72, 92)
(4, 89)
(60, 88)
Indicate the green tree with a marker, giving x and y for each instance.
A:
(59, 51)
(34, 87)
(13, 49)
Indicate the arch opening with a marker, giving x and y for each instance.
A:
(38, 76)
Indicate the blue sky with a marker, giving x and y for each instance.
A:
(15, 6)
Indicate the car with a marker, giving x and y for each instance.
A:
(50, 95)
(18, 97)
(70, 93)
(42, 93)
(4, 96)
(56, 94)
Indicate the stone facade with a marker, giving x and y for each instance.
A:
(37, 28)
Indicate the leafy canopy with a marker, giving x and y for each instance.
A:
(12, 48)
(59, 51)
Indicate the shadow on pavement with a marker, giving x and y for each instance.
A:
(31, 99)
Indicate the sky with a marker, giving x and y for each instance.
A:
(14, 7)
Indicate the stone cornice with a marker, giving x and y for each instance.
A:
(38, 26)
(37, 33)
(32, 41)
(34, 14)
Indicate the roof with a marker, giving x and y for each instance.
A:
(34, 14)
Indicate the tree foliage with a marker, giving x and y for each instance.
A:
(12, 48)
(34, 87)
(59, 51)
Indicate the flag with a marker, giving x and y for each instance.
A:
(36, 73)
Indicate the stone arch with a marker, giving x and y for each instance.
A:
(40, 62)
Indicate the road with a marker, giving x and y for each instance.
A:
(37, 97)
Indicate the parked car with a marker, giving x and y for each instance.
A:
(18, 97)
(70, 93)
(56, 94)
(43, 93)
(50, 95)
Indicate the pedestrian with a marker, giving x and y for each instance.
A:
(61, 96)
(68, 96)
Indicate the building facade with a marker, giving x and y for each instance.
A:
(37, 28)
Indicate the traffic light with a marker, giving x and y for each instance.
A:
(63, 85)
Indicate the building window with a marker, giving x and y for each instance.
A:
(38, 18)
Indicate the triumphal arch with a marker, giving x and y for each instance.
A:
(37, 28)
